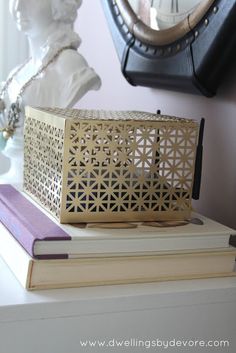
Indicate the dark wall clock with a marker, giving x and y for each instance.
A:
(182, 45)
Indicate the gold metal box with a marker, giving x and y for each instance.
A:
(107, 166)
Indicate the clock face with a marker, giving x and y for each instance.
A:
(171, 12)
(162, 14)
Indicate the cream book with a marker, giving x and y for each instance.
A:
(77, 272)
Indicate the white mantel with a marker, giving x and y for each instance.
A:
(56, 320)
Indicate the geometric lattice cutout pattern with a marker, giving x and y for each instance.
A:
(43, 163)
(106, 166)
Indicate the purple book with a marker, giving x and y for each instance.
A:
(26, 222)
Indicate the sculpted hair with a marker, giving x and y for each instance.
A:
(65, 10)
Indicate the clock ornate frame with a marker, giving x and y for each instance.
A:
(190, 57)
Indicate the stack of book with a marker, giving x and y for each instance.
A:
(44, 254)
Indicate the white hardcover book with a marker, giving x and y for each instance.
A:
(64, 273)
(43, 237)
(140, 240)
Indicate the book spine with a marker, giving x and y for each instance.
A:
(21, 232)
(26, 222)
(16, 227)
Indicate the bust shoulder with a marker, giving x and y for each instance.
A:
(70, 61)
(75, 76)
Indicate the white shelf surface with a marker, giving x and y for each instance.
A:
(204, 309)
(91, 300)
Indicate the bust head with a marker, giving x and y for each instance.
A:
(65, 10)
(33, 16)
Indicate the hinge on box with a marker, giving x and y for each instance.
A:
(232, 240)
(198, 163)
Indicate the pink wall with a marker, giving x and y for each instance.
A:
(218, 193)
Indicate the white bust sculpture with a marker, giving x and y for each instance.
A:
(56, 75)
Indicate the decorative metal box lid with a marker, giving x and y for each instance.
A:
(108, 166)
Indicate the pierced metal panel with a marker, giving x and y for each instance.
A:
(117, 166)
(43, 163)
